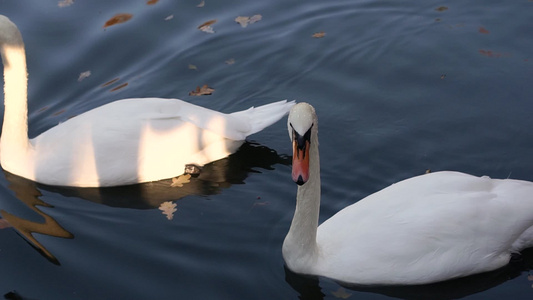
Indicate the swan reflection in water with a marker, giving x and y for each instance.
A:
(212, 179)
(27, 192)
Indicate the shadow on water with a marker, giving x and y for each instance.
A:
(213, 178)
(309, 288)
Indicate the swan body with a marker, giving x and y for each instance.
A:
(124, 142)
(425, 229)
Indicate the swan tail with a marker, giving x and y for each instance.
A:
(263, 116)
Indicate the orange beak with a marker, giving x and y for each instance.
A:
(300, 162)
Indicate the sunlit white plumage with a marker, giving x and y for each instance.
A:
(123, 142)
(421, 230)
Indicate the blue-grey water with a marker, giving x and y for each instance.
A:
(400, 87)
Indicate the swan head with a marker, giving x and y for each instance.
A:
(9, 33)
(301, 123)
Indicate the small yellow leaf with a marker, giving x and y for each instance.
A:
(192, 67)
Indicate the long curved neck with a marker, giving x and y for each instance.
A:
(300, 247)
(14, 140)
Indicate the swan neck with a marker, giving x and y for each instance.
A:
(14, 140)
(301, 239)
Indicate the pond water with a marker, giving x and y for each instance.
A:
(399, 86)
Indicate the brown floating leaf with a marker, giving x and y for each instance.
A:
(441, 8)
(230, 61)
(119, 87)
(204, 90)
(482, 30)
(318, 35)
(117, 19)
(490, 53)
(59, 112)
(202, 4)
(110, 82)
(151, 2)
(206, 27)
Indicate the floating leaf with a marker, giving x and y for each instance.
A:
(201, 4)
(244, 21)
(65, 3)
(192, 67)
(110, 82)
(255, 18)
(59, 112)
(168, 208)
(206, 27)
(169, 18)
(204, 90)
(180, 180)
(84, 75)
(230, 61)
(441, 8)
(318, 35)
(490, 53)
(117, 19)
(119, 87)
(482, 30)
(151, 2)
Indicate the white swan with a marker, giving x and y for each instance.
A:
(124, 142)
(421, 230)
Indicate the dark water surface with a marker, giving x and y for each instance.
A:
(399, 86)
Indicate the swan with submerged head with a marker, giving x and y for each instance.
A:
(425, 229)
(124, 142)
